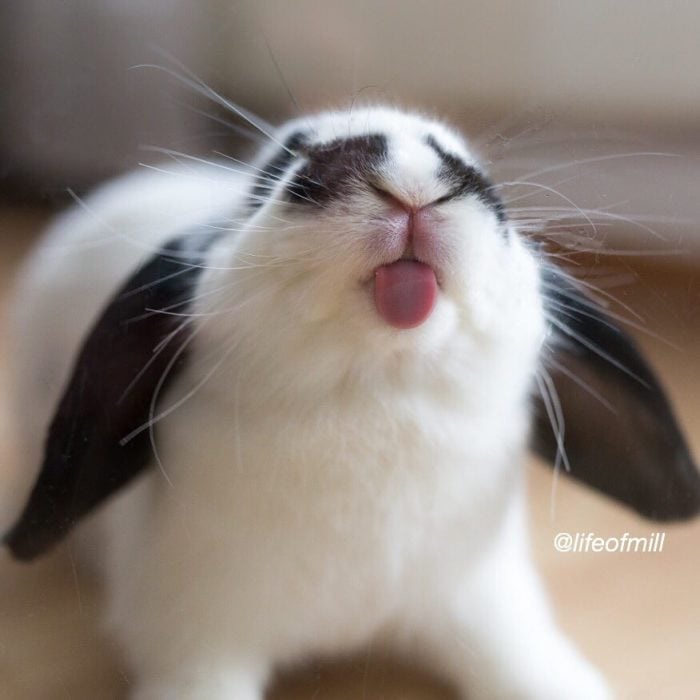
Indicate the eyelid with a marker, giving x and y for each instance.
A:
(392, 199)
(447, 197)
(384, 194)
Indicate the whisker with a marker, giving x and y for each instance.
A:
(195, 82)
(584, 385)
(593, 347)
(555, 415)
(600, 159)
(548, 189)
(156, 353)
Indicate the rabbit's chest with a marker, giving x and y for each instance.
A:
(346, 497)
(315, 530)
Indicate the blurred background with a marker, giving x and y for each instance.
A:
(586, 113)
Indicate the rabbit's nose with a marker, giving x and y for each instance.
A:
(414, 232)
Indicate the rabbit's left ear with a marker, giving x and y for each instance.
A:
(618, 433)
(99, 438)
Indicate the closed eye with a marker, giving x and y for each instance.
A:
(386, 196)
(447, 197)
(394, 200)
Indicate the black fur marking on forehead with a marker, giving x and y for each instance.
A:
(274, 170)
(333, 167)
(466, 179)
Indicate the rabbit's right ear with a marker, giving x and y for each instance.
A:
(99, 438)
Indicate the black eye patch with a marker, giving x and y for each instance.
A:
(333, 167)
(464, 179)
(273, 171)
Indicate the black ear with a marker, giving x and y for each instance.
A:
(134, 349)
(619, 432)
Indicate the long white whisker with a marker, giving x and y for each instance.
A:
(584, 385)
(548, 189)
(198, 85)
(593, 347)
(555, 415)
(599, 159)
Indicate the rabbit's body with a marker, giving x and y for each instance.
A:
(326, 480)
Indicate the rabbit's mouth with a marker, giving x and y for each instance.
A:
(405, 292)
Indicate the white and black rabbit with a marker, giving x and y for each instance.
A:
(307, 389)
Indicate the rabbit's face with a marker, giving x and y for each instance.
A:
(381, 226)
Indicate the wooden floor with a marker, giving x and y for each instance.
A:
(637, 616)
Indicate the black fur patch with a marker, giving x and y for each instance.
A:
(273, 171)
(620, 434)
(334, 167)
(465, 179)
(130, 352)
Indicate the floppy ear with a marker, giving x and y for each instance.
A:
(132, 352)
(619, 432)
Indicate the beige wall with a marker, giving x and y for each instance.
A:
(632, 62)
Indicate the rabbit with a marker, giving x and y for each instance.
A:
(288, 406)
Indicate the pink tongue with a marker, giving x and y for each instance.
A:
(405, 293)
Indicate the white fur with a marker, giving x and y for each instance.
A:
(331, 481)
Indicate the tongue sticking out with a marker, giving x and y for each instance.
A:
(405, 293)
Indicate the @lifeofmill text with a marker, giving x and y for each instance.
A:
(590, 542)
